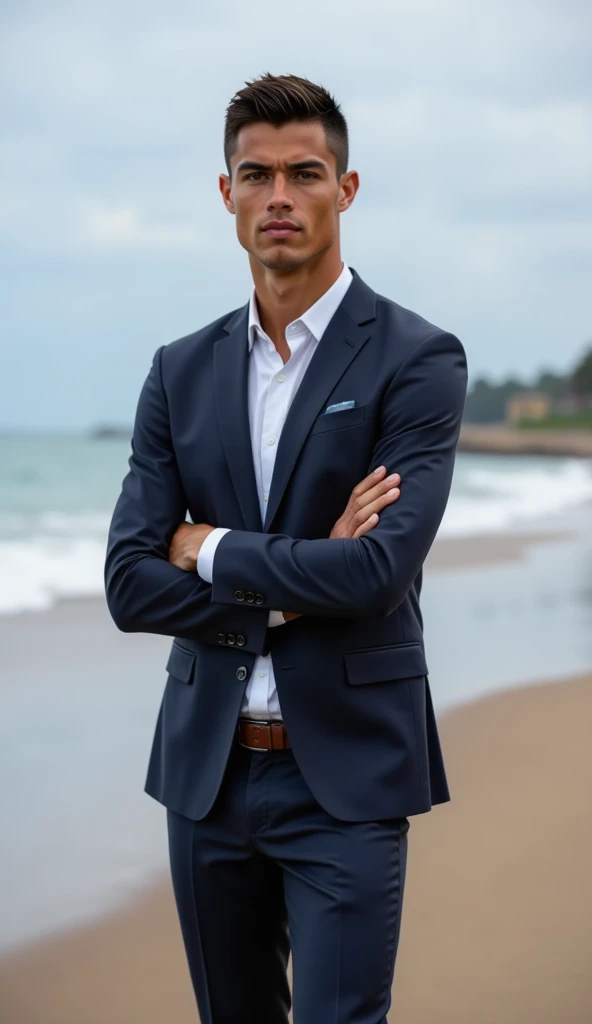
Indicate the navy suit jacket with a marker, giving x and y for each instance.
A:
(351, 672)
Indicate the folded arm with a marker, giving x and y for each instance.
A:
(145, 592)
(368, 576)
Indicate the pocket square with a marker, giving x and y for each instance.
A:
(339, 406)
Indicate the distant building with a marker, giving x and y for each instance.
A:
(571, 405)
(528, 405)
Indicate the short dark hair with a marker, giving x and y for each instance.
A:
(279, 99)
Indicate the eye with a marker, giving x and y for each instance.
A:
(256, 175)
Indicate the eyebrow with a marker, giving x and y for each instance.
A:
(301, 165)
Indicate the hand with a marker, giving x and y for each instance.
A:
(186, 544)
(368, 498)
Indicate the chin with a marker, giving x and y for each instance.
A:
(281, 259)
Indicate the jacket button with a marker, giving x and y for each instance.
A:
(240, 595)
(240, 640)
(250, 596)
(221, 638)
(241, 673)
(259, 599)
(231, 639)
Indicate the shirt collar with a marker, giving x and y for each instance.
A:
(317, 317)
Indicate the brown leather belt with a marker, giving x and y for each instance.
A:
(262, 735)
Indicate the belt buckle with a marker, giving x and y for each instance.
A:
(255, 721)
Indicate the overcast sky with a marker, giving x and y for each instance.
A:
(470, 125)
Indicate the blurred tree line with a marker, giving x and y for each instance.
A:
(486, 402)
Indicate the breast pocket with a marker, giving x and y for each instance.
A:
(338, 420)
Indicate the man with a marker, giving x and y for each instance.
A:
(296, 734)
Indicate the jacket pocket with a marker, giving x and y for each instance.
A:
(382, 664)
(181, 664)
(342, 418)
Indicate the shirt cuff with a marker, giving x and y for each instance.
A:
(276, 619)
(205, 558)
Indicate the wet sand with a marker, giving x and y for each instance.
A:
(496, 928)
(492, 549)
(501, 439)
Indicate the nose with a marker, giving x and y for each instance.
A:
(279, 198)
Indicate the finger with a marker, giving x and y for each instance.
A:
(366, 527)
(369, 481)
(366, 498)
(379, 503)
(393, 480)
(371, 511)
(360, 515)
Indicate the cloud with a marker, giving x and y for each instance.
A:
(125, 227)
(470, 125)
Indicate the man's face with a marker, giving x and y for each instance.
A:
(266, 187)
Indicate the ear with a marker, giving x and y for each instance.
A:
(226, 191)
(348, 187)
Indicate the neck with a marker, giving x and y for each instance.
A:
(283, 296)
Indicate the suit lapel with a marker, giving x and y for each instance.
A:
(341, 342)
(343, 339)
(231, 381)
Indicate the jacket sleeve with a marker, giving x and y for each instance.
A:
(145, 592)
(368, 576)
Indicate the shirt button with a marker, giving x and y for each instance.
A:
(281, 378)
(265, 497)
(262, 674)
(271, 440)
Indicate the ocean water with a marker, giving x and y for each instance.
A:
(57, 495)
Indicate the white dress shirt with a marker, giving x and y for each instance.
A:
(272, 385)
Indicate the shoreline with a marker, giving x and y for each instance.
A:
(447, 554)
(519, 819)
(484, 549)
(499, 439)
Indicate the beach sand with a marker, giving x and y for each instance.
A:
(496, 926)
(502, 439)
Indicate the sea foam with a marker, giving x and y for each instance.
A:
(56, 554)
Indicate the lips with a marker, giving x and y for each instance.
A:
(280, 229)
